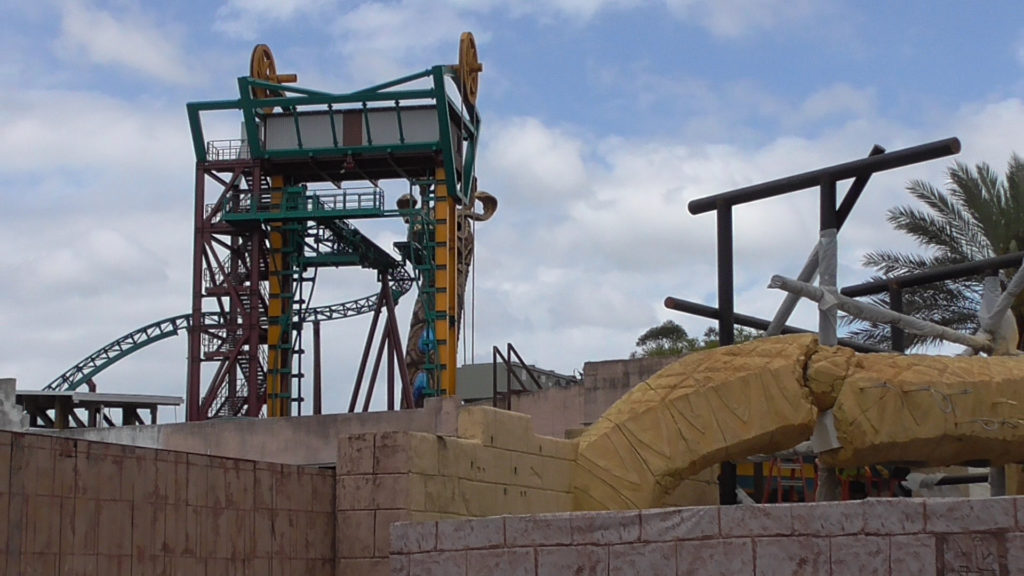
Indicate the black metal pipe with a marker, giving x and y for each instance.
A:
(727, 476)
(899, 340)
(725, 277)
(958, 479)
(697, 309)
(934, 275)
(852, 169)
(828, 219)
(855, 190)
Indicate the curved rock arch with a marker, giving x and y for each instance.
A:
(765, 396)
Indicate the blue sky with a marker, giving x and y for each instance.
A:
(602, 118)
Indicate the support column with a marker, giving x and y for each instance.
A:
(446, 261)
(726, 329)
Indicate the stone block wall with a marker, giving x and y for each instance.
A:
(884, 536)
(75, 507)
(496, 466)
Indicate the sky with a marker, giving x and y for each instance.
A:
(602, 119)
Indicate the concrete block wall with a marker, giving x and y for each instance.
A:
(75, 507)
(877, 537)
(496, 466)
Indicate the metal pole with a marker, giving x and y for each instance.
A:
(726, 335)
(317, 381)
(756, 323)
(827, 263)
(876, 314)
(810, 269)
(899, 341)
(882, 162)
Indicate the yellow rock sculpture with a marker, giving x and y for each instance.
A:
(765, 396)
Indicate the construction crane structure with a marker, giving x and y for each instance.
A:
(277, 205)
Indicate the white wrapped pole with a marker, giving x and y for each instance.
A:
(875, 314)
(828, 318)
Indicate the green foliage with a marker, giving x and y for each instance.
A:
(671, 339)
(977, 215)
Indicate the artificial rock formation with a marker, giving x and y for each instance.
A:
(765, 396)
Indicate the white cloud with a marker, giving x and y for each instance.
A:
(837, 100)
(246, 19)
(734, 18)
(130, 41)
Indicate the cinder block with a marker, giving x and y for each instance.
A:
(470, 534)
(913, 554)
(859, 555)
(412, 537)
(285, 530)
(605, 527)
(632, 559)
(32, 466)
(78, 565)
(176, 529)
(400, 452)
(441, 494)
(515, 562)
(438, 564)
(198, 467)
(678, 524)
(489, 499)
(538, 530)
(498, 428)
(216, 487)
(238, 485)
(85, 525)
(37, 565)
(970, 553)
(557, 448)
(187, 566)
(114, 528)
(378, 491)
(756, 520)
(323, 490)
(399, 565)
(576, 560)
(828, 518)
(263, 533)
(42, 530)
(322, 535)
(354, 534)
(970, 515)
(893, 515)
(148, 479)
(383, 520)
(778, 556)
(1015, 553)
(65, 458)
(474, 461)
(355, 454)
(357, 567)
(114, 565)
(263, 484)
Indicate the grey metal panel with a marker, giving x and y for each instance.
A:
(419, 125)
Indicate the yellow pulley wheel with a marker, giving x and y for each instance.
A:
(469, 68)
(262, 67)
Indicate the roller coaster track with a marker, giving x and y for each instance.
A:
(84, 371)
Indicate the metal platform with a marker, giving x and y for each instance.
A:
(60, 409)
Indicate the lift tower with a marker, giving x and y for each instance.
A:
(278, 204)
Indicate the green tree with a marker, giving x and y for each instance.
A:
(671, 339)
(977, 215)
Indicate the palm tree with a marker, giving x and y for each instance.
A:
(978, 215)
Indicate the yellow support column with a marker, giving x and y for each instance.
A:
(277, 383)
(446, 259)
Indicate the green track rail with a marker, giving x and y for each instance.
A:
(85, 370)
